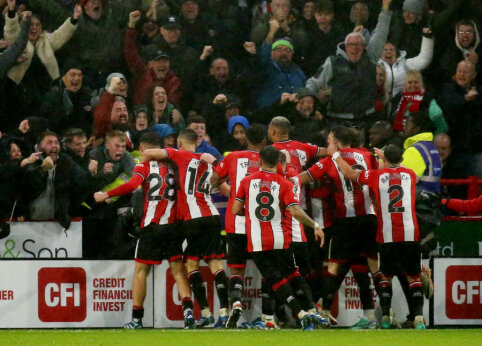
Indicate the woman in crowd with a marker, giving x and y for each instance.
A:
(161, 111)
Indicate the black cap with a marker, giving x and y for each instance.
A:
(233, 102)
(70, 64)
(303, 92)
(170, 23)
(152, 53)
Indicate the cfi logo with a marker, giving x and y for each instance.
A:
(62, 295)
(463, 292)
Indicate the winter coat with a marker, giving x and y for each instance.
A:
(45, 48)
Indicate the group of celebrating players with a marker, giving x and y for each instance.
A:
(265, 221)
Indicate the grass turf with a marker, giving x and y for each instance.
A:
(444, 337)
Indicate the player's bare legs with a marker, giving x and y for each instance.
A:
(141, 271)
(178, 271)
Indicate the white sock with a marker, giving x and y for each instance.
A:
(369, 314)
(223, 312)
(206, 312)
(302, 314)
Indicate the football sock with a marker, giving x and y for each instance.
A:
(331, 283)
(187, 303)
(197, 287)
(303, 292)
(364, 282)
(266, 300)
(235, 288)
(416, 297)
(285, 293)
(221, 282)
(404, 283)
(385, 296)
(137, 313)
(315, 280)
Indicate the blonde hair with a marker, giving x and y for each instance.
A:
(415, 74)
(116, 134)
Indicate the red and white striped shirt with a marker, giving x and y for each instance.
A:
(194, 196)
(351, 198)
(394, 197)
(159, 186)
(292, 225)
(266, 195)
(236, 166)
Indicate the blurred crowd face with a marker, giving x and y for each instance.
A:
(35, 29)
(190, 10)
(50, 146)
(354, 48)
(239, 132)
(389, 54)
(220, 70)
(116, 147)
(465, 35)
(282, 55)
(170, 36)
(359, 12)
(73, 80)
(324, 19)
(15, 152)
(159, 98)
(305, 106)
(160, 67)
(78, 145)
(465, 74)
(169, 141)
(413, 83)
(142, 121)
(93, 8)
(309, 10)
(410, 17)
(280, 9)
(150, 28)
(200, 130)
(442, 142)
(381, 75)
(409, 128)
(119, 114)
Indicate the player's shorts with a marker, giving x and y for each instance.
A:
(353, 237)
(237, 252)
(302, 260)
(159, 242)
(400, 258)
(203, 236)
(275, 265)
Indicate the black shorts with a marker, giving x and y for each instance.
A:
(302, 261)
(203, 236)
(275, 265)
(237, 252)
(353, 237)
(400, 258)
(159, 242)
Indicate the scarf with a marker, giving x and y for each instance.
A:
(409, 103)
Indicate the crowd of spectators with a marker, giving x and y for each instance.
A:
(83, 80)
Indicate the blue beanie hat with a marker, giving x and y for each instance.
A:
(162, 130)
(237, 119)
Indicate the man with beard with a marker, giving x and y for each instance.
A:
(157, 70)
(276, 71)
(50, 181)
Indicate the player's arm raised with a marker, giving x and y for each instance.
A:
(154, 154)
(300, 215)
(343, 166)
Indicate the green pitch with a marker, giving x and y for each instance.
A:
(444, 337)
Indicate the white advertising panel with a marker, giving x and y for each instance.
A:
(42, 240)
(458, 291)
(58, 294)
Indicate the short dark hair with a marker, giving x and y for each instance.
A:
(422, 120)
(196, 119)
(256, 133)
(45, 134)
(189, 135)
(325, 6)
(281, 123)
(73, 132)
(355, 138)
(151, 139)
(270, 156)
(393, 153)
(343, 134)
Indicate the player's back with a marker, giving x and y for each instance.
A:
(292, 225)
(300, 152)
(160, 193)
(236, 166)
(194, 185)
(268, 194)
(394, 191)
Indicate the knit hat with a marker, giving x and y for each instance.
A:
(413, 6)
(285, 41)
(237, 119)
(70, 64)
(112, 75)
(162, 130)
